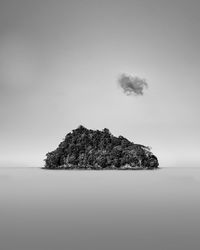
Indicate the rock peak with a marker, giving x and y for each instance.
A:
(94, 149)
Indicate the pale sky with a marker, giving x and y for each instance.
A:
(59, 64)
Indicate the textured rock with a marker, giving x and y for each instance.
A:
(93, 149)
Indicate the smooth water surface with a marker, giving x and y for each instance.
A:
(99, 210)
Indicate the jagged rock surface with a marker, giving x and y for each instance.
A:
(93, 149)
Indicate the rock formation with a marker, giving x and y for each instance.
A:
(93, 149)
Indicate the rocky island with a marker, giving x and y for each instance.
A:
(93, 149)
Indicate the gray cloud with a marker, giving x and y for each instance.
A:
(132, 85)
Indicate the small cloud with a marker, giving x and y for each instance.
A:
(132, 85)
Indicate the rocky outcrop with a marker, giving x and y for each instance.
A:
(93, 149)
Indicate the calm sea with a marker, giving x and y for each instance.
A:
(99, 210)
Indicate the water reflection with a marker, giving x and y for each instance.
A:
(98, 210)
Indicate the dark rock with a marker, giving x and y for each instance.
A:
(94, 149)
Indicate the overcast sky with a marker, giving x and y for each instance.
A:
(59, 65)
